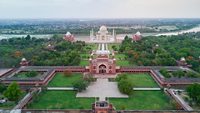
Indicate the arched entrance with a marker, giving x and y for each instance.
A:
(102, 69)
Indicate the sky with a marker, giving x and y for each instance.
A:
(99, 9)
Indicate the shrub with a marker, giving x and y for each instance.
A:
(89, 78)
(80, 85)
(125, 86)
(121, 77)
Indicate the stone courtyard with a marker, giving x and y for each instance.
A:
(102, 88)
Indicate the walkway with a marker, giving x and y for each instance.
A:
(180, 100)
(102, 88)
(61, 88)
(147, 89)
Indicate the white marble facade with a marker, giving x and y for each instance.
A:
(102, 36)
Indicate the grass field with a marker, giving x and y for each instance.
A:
(61, 100)
(84, 63)
(60, 80)
(143, 100)
(142, 80)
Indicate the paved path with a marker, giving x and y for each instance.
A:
(147, 89)
(102, 88)
(61, 88)
(180, 100)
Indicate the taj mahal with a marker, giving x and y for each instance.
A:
(102, 36)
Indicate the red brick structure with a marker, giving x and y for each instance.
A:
(102, 65)
(102, 107)
(68, 37)
(137, 36)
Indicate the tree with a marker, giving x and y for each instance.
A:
(125, 86)
(13, 92)
(28, 37)
(2, 88)
(80, 85)
(121, 77)
(194, 92)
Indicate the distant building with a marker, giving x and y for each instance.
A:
(182, 62)
(50, 47)
(136, 37)
(68, 37)
(24, 62)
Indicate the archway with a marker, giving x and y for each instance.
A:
(102, 69)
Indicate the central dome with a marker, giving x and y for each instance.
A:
(103, 28)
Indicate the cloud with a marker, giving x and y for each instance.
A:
(99, 8)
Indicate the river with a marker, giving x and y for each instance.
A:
(195, 29)
(119, 36)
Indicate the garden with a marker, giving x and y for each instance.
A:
(144, 100)
(63, 80)
(28, 74)
(179, 74)
(60, 100)
(143, 80)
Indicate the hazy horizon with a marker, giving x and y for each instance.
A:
(98, 9)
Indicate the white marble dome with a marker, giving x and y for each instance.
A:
(23, 59)
(103, 28)
(183, 59)
(68, 34)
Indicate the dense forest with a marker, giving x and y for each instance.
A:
(163, 50)
(48, 52)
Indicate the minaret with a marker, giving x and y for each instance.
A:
(91, 34)
(114, 35)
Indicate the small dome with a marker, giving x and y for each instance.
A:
(157, 45)
(103, 28)
(182, 59)
(138, 33)
(68, 34)
(23, 59)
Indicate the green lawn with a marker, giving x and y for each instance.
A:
(142, 80)
(61, 100)
(143, 100)
(60, 80)
(84, 63)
